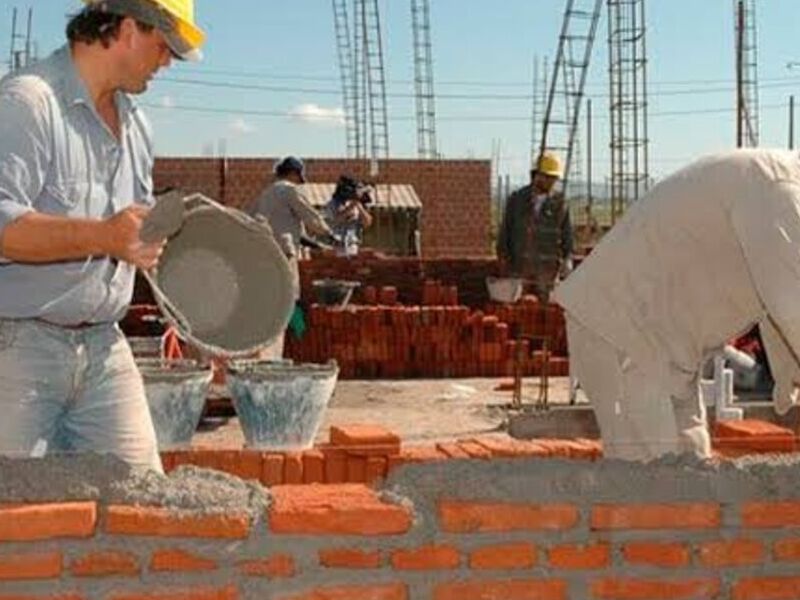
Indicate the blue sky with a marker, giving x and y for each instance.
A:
(490, 45)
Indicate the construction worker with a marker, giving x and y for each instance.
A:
(705, 255)
(285, 206)
(535, 237)
(76, 157)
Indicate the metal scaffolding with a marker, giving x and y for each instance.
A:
(539, 104)
(627, 69)
(569, 77)
(20, 55)
(423, 79)
(747, 129)
(370, 80)
(344, 51)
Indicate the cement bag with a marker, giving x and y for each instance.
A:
(222, 281)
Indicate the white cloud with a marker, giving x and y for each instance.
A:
(167, 102)
(313, 113)
(241, 126)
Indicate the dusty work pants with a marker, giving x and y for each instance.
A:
(644, 408)
(72, 391)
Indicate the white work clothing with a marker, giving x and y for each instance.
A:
(710, 251)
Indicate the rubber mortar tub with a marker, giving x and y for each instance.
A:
(281, 405)
(176, 393)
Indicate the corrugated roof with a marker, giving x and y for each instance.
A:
(388, 196)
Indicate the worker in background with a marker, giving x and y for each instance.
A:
(347, 213)
(76, 159)
(535, 237)
(708, 253)
(286, 207)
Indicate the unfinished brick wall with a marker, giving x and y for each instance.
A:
(570, 533)
(456, 214)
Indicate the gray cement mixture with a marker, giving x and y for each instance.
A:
(668, 479)
(109, 480)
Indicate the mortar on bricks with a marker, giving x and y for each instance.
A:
(176, 394)
(280, 404)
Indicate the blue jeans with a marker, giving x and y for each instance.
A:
(77, 390)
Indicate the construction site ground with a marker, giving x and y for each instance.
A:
(419, 410)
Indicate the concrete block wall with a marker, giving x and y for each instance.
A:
(456, 214)
(470, 529)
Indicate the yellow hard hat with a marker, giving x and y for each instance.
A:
(549, 164)
(173, 18)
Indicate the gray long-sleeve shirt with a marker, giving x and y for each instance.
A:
(288, 211)
(58, 157)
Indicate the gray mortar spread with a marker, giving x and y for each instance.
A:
(109, 480)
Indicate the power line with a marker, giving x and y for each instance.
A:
(516, 97)
(465, 118)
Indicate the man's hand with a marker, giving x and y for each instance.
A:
(123, 238)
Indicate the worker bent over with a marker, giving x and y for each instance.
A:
(709, 252)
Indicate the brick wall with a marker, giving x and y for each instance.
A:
(456, 214)
(527, 528)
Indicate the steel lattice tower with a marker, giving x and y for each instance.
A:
(423, 79)
(539, 105)
(569, 77)
(20, 57)
(627, 75)
(370, 79)
(747, 129)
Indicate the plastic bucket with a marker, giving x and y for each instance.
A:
(281, 405)
(176, 394)
(334, 292)
(145, 346)
(506, 290)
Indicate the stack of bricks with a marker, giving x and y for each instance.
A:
(389, 340)
(365, 453)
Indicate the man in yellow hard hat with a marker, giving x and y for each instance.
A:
(535, 237)
(76, 160)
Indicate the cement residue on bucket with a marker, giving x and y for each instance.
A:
(109, 480)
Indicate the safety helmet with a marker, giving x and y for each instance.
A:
(173, 18)
(549, 164)
(290, 164)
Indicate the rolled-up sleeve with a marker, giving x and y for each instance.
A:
(23, 154)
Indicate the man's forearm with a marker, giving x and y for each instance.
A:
(42, 238)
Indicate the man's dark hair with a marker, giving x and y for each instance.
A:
(90, 26)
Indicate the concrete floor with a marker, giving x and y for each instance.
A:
(419, 410)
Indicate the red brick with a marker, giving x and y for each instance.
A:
(514, 555)
(356, 469)
(787, 550)
(752, 434)
(452, 450)
(293, 468)
(570, 556)
(765, 515)
(334, 509)
(105, 564)
(175, 559)
(657, 554)
(271, 469)
(349, 558)
(733, 553)
(416, 454)
(313, 466)
(519, 589)
(387, 591)
(273, 567)
(25, 523)
(767, 588)
(473, 517)
(656, 516)
(45, 565)
(64, 596)
(335, 465)
(426, 558)
(246, 464)
(375, 469)
(204, 593)
(363, 435)
(656, 589)
(511, 448)
(474, 449)
(151, 521)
